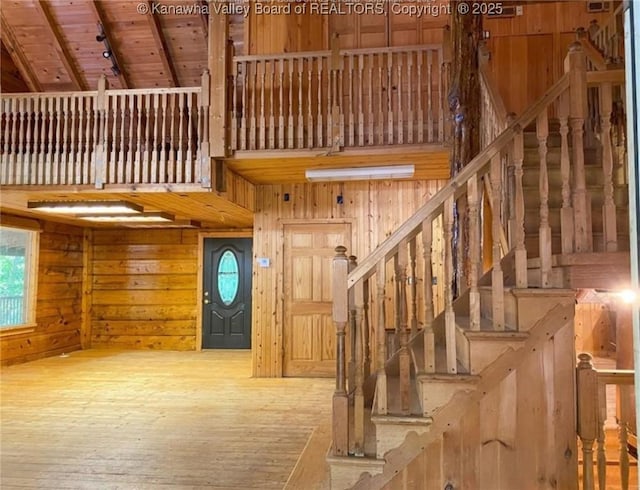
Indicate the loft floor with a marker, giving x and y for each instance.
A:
(110, 419)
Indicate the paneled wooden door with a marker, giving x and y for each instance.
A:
(226, 305)
(308, 330)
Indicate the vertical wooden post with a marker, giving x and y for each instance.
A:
(358, 354)
(381, 338)
(575, 65)
(352, 332)
(566, 213)
(336, 108)
(601, 457)
(449, 314)
(87, 288)
(204, 168)
(544, 233)
(609, 206)
(414, 287)
(340, 423)
(403, 332)
(218, 65)
(100, 157)
(497, 280)
(587, 392)
(474, 252)
(429, 338)
(520, 248)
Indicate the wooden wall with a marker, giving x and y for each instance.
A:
(375, 209)
(595, 329)
(284, 33)
(59, 303)
(521, 434)
(144, 289)
(528, 51)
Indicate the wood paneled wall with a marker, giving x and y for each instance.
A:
(521, 434)
(144, 289)
(375, 209)
(286, 32)
(528, 51)
(595, 329)
(59, 303)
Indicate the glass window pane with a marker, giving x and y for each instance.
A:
(228, 277)
(14, 272)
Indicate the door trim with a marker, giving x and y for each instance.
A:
(282, 223)
(245, 233)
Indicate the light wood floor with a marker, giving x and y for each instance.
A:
(146, 420)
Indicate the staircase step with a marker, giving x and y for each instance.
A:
(392, 430)
(436, 390)
(476, 349)
(346, 470)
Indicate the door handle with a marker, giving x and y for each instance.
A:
(206, 301)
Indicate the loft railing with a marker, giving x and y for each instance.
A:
(366, 302)
(104, 137)
(593, 419)
(334, 99)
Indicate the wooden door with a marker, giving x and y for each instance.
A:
(226, 305)
(308, 330)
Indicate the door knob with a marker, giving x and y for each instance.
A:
(206, 301)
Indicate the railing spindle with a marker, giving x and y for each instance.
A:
(497, 282)
(520, 249)
(319, 120)
(429, 83)
(360, 88)
(410, 85)
(262, 73)
(390, 119)
(300, 126)
(245, 106)
(601, 457)
(290, 126)
(544, 233)
(566, 216)
(587, 390)
(609, 207)
(370, 120)
(429, 338)
(310, 125)
(449, 314)
(400, 121)
(401, 263)
(474, 252)
(381, 338)
(414, 287)
(358, 397)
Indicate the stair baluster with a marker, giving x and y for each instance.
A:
(474, 252)
(352, 332)
(401, 262)
(544, 234)
(601, 456)
(587, 389)
(608, 207)
(414, 287)
(520, 248)
(358, 356)
(381, 337)
(429, 339)
(449, 314)
(566, 216)
(497, 283)
(340, 423)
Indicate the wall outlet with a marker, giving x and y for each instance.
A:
(519, 10)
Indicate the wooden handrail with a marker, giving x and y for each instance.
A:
(598, 77)
(616, 376)
(411, 227)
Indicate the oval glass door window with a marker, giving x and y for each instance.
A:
(228, 277)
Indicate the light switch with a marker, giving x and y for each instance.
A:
(264, 262)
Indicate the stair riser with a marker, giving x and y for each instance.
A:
(390, 435)
(436, 394)
(477, 354)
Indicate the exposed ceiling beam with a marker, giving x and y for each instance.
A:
(18, 58)
(96, 7)
(161, 45)
(59, 45)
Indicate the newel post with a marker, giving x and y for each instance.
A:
(100, 114)
(587, 392)
(203, 111)
(340, 424)
(576, 67)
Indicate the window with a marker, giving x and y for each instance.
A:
(18, 276)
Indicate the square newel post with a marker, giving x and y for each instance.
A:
(576, 67)
(100, 151)
(587, 394)
(219, 69)
(204, 160)
(340, 423)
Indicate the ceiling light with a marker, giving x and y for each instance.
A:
(361, 173)
(85, 207)
(129, 218)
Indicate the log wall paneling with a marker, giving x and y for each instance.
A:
(144, 289)
(375, 209)
(595, 329)
(59, 302)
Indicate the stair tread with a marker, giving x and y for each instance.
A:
(487, 331)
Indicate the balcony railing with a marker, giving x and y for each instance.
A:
(147, 136)
(333, 99)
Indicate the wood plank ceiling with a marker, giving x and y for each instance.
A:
(50, 45)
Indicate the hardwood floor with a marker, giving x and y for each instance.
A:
(145, 420)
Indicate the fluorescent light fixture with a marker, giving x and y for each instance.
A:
(85, 207)
(129, 218)
(360, 173)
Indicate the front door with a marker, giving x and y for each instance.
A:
(226, 305)
(309, 332)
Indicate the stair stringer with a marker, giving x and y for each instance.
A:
(557, 318)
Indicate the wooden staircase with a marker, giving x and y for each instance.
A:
(481, 390)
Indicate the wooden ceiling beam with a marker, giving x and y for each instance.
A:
(161, 45)
(96, 7)
(18, 57)
(59, 45)
(204, 17)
